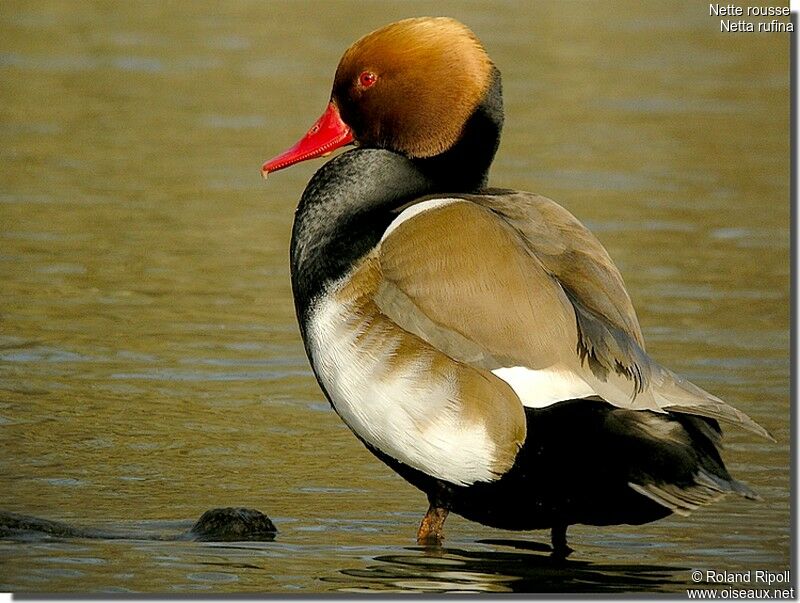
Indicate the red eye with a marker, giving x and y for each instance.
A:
(367, 79)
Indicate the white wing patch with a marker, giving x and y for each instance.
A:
(543, 387)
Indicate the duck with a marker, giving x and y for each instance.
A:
(480, 341)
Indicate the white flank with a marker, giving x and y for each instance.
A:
(539, 388)
(408, 413)
(415, 210)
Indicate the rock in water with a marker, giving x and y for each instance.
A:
(232, 524)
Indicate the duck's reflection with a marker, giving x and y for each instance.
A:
(529, 569)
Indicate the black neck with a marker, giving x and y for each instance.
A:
(352, 199)
(343, 213)
(465, 167)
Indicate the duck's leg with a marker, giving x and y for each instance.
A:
(431, 530)
(558, 537)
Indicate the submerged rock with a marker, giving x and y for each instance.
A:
(228, 524)
(15, 523)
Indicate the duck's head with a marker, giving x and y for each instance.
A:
(409, 87)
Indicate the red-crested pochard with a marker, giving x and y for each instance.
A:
(480, 341)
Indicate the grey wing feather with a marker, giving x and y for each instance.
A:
(606, 347)
(676, 394)
(682, 500)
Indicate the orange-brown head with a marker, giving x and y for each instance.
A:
(410, 87)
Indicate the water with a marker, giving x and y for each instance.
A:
(150, 365)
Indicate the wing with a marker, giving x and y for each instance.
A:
(609, 335)
(514, 284)
(571, 253)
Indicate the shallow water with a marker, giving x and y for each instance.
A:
(150, 365)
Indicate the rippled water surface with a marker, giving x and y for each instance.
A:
(150, 364)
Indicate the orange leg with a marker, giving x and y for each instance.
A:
(431, 530)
